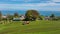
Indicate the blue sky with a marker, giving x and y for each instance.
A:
(43, 5)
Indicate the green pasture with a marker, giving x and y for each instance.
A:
(35, 27)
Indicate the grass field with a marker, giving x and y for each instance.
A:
(35, 27)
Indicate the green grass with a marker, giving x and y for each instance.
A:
(35, 27)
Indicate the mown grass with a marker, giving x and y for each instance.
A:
(35, 27)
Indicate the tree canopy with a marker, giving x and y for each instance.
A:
(32, 14)
(16, 14)
(52, 16)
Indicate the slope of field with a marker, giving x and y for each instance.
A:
(35, 27)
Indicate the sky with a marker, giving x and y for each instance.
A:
(43, 5)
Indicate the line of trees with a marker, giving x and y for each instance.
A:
(30, 15)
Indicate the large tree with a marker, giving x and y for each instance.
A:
(32, 14)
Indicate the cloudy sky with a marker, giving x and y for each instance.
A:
(43, 5)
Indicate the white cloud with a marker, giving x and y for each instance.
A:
(38, 1)
(27, 5)
(24, 0)
(37, 6)
(56, 0)
(16, 0)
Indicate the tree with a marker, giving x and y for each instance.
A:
(0, 16)
(9, 17)
(32, 14)
(52, 16)
(16, 15)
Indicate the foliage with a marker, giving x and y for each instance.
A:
(32, 14)
(52, 16)
(16, 15)
(0, 16)
(40, 18)
(10, 17)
